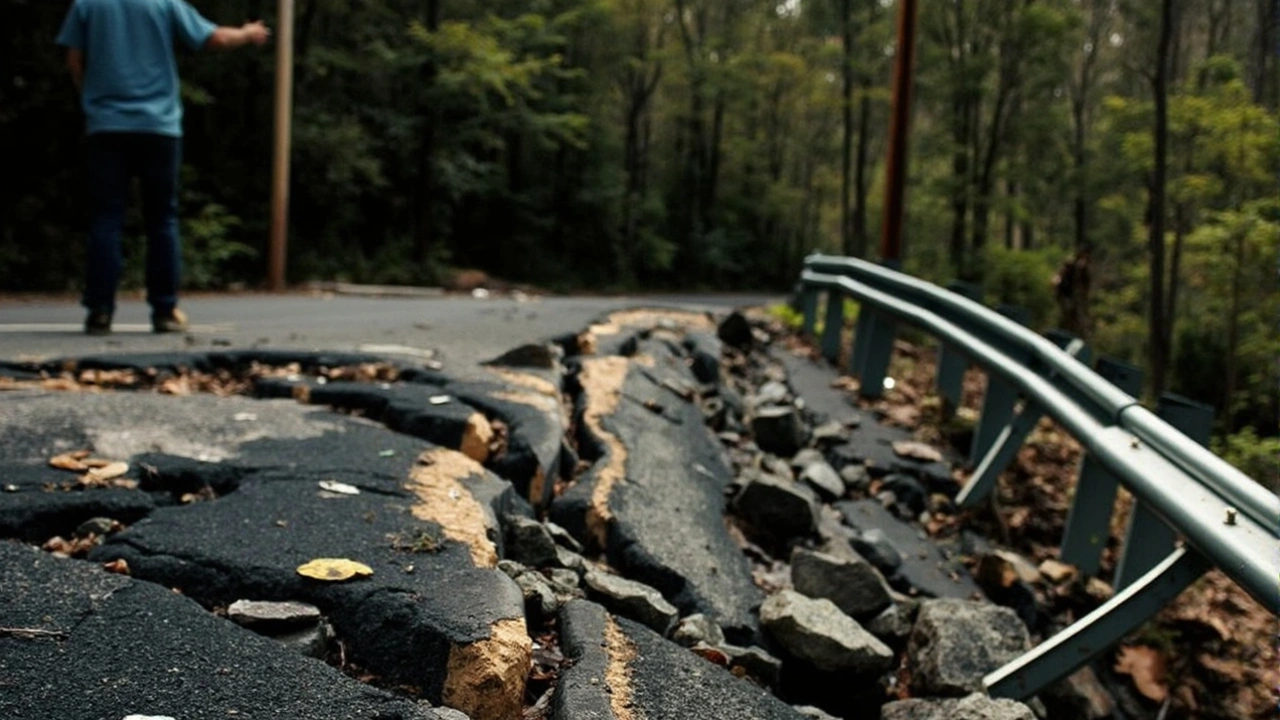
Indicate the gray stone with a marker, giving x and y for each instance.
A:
(772, 393)
(778, 429)
(269, 617)
(833, 432)
(973, 707)
(851, 583)
(698, 628)
(540, 600)
(956, 642)
(874, 545)
(755, 662)
(893, 625)
(856, 477)
(774, 465)
(805, 458)
(511, 568)
(96, 526)
(817, 633)
(312, 642)
(632, 600)
(910, 496)
(735, 331)
(562, 537)
(445, 713)
(813, 713)
(563, 581)
(823, 479)
(571, 560)
(529, 542)
(780, 509)
(925, 567)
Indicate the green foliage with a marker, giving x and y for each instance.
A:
(1257, 457)
(1023, 278)
(207, 247)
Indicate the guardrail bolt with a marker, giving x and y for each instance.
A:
(1134, 443)
(1231, 516)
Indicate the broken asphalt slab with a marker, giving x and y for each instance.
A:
(423, 518)
(654, 496)
(100, 645)
(622, 670)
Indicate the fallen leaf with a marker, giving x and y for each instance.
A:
(119, 567)
(338, 488)
(917, 450)
(714, 655)
(334, 569)
(70, 461)
(102, 473)
(1146, 666)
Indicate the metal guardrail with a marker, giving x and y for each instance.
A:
(1223, 517)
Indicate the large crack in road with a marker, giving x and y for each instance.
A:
(610, 433)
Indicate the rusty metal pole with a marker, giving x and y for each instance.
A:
(280, 167)
(896, 168)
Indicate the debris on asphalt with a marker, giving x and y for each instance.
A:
(334, 569)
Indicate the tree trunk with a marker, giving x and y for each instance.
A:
(960, 176)
(1157, 321)
(846, 152)
(424, 236)
(860, 233)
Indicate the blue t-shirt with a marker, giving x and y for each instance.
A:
(131, 74)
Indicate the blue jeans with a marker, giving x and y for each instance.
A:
(115, 159)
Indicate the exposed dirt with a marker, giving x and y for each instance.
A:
(1217, 645)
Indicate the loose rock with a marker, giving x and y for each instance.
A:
(777, 508)
(817, 633)
(956, 642)
(893, 626)
(830, 433)
(1056, 571)
(805, 458)
(973, 707)
(539, 599)
(778, 429)
(772, 393)
(856, 477)
(911, 497)
(269, 617)
(824, 480)
(562, 537)
(754, 662)
(813, 713)
(632, 600)
(735, 330)
(698, 628)
(1079, 696)
(312, 642)
(97, 526)
(851, 583)
(874, 545)
(529, 542)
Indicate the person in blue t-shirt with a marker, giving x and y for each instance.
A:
(121, 57)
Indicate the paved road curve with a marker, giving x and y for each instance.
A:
(463, 330)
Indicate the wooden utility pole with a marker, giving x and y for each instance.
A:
(896, 168)
(283, 124)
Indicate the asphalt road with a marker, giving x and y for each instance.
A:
(461, 329)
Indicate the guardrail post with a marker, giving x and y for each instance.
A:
(1091, 635)
(997, 403)
(951, 362)
(873, 347)
(1148, 539)
(833, 326)
(1089, 520)
(1011, 436)
(809, 306)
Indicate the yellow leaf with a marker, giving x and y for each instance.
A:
(70, 461)
(102, 473)
(334, 569)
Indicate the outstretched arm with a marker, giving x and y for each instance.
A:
(226, 38)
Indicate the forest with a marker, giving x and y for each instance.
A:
(623, 145)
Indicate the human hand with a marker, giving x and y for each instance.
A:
(256, 32)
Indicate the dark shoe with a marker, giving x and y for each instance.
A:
(171, 322)
(98, 323)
